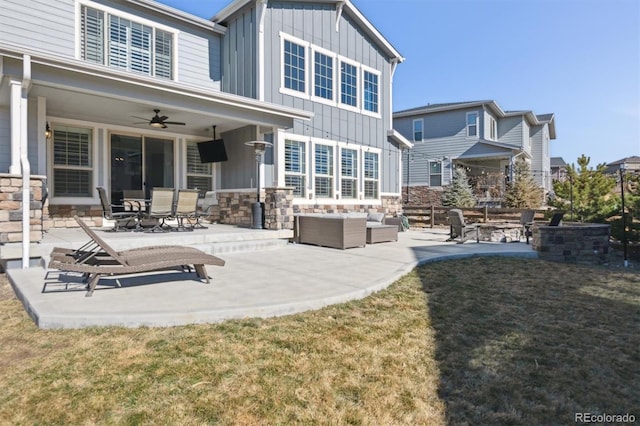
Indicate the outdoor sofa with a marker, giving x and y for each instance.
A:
(343, 230)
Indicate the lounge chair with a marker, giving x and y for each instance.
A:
(459, 229)
(526, 220)
(123, 220)
(97, 258)
(556, 219)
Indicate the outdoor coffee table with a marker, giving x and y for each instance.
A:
(382, 233)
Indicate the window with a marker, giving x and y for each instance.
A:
(371, 175)
(348, 84)
(324, 171)
(435, 173)
(198, 174)
(493, 129)
(72, 162)
(323, 70)
(295, 166)
(125, 44)
(370, 100)
(294, 66)
(349, 173)
(418, 127)
(472, 124)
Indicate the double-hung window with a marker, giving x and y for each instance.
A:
(349, 173)
(493, 129)
(323, 76)
(418, 130)
(472, 124)
(294, 66)
(435, 173)
(324, 171)
(72, 162)
(295, 168)
(371, 174)
(198, 173)
(348, 84)
(118, 42)
(370, 91)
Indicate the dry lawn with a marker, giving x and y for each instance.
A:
(477, 341)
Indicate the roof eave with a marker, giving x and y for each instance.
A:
(179, 14)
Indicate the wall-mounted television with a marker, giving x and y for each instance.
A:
(212, 151)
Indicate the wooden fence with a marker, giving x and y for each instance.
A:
(430, 216)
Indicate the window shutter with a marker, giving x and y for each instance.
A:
(92, 35)
(163, 54)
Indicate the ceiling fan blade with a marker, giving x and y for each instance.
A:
(164, 117)
(141, 118)
(175, 123)
(142, 122)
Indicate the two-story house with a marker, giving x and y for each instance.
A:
(478, 136)
(118, 93)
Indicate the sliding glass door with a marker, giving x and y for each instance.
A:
(140, 163)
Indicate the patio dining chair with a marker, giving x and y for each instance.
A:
(186, 209)
(160, 209)
(459, 229)
(122, 220)
(526, 220)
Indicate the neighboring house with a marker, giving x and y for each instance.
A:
(630, 164)
(477, 135)
(558, 169)
(312, 77)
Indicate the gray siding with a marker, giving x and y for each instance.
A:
(511, 130)
(541, 164)
(236, 172)
(315, 24)
(239, 55)
(49, 26)
(46, 25)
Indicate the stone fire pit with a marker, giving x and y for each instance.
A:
(499, 232)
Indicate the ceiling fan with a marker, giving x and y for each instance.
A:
(158, 121)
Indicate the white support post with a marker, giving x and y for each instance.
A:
(16, 112)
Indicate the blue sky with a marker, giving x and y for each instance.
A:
(578, 59)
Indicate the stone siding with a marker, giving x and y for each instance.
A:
(422, 196)
(584, 243)
(11, 208)
(61, 215)
(390, 206)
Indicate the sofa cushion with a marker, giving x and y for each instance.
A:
(375, 217)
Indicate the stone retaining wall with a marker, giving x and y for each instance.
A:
(11, 208)
(585, 243)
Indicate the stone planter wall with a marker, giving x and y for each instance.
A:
(11, 208)
(585, 243)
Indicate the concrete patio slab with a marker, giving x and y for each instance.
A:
(280, 281)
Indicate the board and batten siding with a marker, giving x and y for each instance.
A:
(239, 52)
(315, 23)
(5, 137)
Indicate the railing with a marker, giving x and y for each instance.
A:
(430, 216)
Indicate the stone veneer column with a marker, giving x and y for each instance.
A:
(278, 208)
(11, 208)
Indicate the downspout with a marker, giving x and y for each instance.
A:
(24, 163)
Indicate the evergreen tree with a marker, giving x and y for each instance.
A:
(459, 193)
(594, 199)
(523, 192)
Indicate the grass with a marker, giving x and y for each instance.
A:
(475, 341)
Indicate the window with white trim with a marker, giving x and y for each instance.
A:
(349, 173)
(435, 173)
(112, 40)
(370, 91)
(323, 76)
(72, 162)
(493, 129)
(371, 174)
(418, 130)
(472, 124)
(294, 66)
(198, 173)
(348, 84)
(295, 166)
(324, 171)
